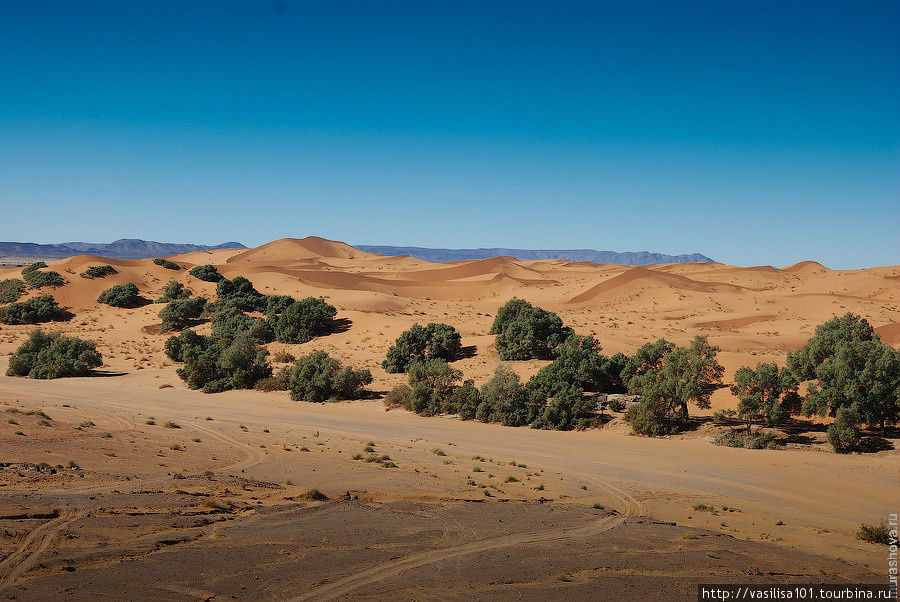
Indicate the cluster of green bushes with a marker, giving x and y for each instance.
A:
(121, 295)
(419, 343)
(32, 311)
(98, 271)
(51, 355)
(231, 357)
(319, 377)
(207, 273)
(38, 279)
(525, 332)
(11, 290)
(169, 265)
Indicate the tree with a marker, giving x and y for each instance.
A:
(11, 290)
(667, 382)
(230, 322)
(51, 355)
(567, 409)
(828, 337)
(304, 320)
(169, 265)
(433, 383)
(649, 356)
(844, 433)
(319, 377)
(207, 273)
(578, 363)
(276, 304)
(32, 311)
(419, 343)
(525, 332)
(239, 293)
(465, 400)
(505, 400)
(179, 313)
(121, 295)
(863, 374)
(215, 365)
(98, 271)
(766, 393)
(174, 291)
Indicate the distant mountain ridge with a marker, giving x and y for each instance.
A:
(124, 248)
(624, 258)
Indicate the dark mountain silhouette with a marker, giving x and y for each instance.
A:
(124, 248)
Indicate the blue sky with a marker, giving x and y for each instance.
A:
(752, 132)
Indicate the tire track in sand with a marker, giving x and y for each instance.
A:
(32, 546)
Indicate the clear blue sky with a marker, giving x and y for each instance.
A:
(753, 132)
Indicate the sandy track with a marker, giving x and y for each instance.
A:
(32, 546)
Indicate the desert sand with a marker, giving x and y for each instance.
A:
(213, 505)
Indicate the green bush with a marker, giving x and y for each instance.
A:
(276, 304)
(169, 265)
(99, 271)
(652, 419)
(51, 355)
(567, 409)
(304, 320)
(207, 273)
(37, 279)
(239, 293)
(525, 332)
(433, 383)
(746, 440)
(435, 341)
(121, 295)
(844, 433)
(179, 314)
(505, 400)
(173, 292)
(400, 396)
(879, 534)
(215, 365)
(319, 377)
(11, 290)
(32, 311)
(230, 322)
(465, 400)
(580, 364)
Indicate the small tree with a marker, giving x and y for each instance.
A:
(173, 292)
(169, 265)
(121, 295)
(230, 322)
(578, 363)
(98, 271)
(32, 311)
(179, 314)
(766, 394)
(419, 343)
(215, 365)
(304, 320)
(51, 355)
(319, 377)
(505, 400)
(465, 400)
(239, 293)
(824, 344)
(207, 273)
(433, 383)
(844, 433)
(526, 332)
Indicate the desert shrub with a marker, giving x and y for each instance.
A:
(433, 383)
(505, 400)
(239, 293)
(98, 271)
(844, 433)
(37, 279)
(31, 311)
(400, 396)
(319, 377)
(419, 343)
(121, 295)
(465, 400)
(281, 381)
(304, 320)
(652, 419)
(276, 304)
(11, 290)
(284, 357)
(51, 355)
(178, 314)
(880, 534)
(525, 332)
(174, 291)
(824, 343)
(207, 273)
(215, 365)
(580, 364)
(169, 265)
(568, 408)
(230, 322)
(746, 440)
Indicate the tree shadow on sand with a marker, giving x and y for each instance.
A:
(339, 325)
